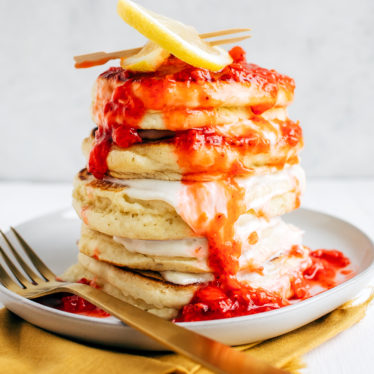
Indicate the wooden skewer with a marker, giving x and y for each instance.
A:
(221, 32)
(100, 58)
(229, 40)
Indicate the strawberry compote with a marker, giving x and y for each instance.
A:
(78, 305)
(123, 98)
(218, 300)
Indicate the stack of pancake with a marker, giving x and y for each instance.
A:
(188, 174)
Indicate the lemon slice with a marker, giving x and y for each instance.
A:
(148, 59)
(178, 39)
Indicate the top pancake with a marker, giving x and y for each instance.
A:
(176, 88)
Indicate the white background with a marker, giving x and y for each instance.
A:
(326, 45)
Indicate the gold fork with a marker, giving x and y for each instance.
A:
(100, 58)
(207, 352)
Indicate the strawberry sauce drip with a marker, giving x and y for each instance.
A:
(78, 305)
(218, 300)
(121, 136)
(206, 151)
(325, 267)
(202, 150)
(225, 300)
(291, 133)
(109, 132)
(211, 210)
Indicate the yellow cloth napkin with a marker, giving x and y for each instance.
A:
(25, 348)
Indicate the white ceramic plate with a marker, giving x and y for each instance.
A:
(54, 237)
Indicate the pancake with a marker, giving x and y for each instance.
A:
(268, 239)
(144, 285)
(239, 149)
(183, 119)
(124, 97)
(77, 272)
(106, 207)
(151, 210)
(104, 248)
(150, 291)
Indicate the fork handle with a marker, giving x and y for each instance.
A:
(216, 356)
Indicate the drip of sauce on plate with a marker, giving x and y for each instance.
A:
(77, 305)
(226, 297)
(216, 300)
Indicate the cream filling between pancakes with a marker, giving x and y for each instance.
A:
(274, 236)
(188, 247)
(275, 239)
(276, 274)
(259, 189)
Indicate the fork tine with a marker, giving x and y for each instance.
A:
(7, 281)
(20, 277)
(43, 269)
(26, 268)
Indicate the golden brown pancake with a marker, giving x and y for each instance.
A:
(182, 119)
(104, 248)
(238, 149)
(190, 255)
(125, 97)
(77, 272)
(121, 208)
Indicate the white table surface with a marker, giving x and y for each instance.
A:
(350, 199)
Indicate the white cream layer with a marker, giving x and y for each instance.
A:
(274, 237)
(275, 277)
(189, 247)
(278, 273)
(259, 188)
(198, 247)
(178, 277)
